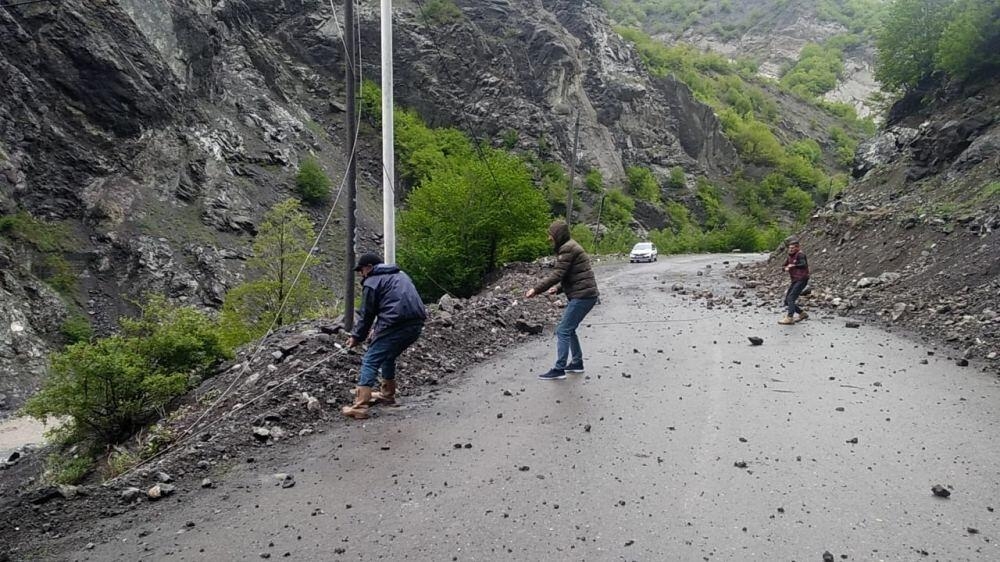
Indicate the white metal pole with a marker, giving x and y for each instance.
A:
(388, 138)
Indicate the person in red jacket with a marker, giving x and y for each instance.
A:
(798, 269)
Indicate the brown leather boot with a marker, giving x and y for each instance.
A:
(386, 394)
(359, 410)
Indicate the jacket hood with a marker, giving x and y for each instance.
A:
(560, 233)
(384, 269)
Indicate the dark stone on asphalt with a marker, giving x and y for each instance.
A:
(754, 340)
(130, 494)
(740, 464)
(827, 556)
(457, 446)
(288, 481)
(586, 428)
(972, 531)
(940, 491)
(963, 362)
(853, 440)
(13, 458)
(524, 468)
(852, 325)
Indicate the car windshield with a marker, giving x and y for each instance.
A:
(642, 246)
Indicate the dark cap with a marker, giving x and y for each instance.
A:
(367, 259)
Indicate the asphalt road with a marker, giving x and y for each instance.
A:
(635, 460)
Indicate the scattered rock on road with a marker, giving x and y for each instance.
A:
(940, 491)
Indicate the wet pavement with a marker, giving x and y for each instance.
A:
(680, 442)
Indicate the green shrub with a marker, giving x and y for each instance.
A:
(799, 202)
(643, 185)
(509, 139)
(312, 182)
(441, 12)
(677, 178)
(111, 387)
(618, 208)
(65, 469)
(76, 328)
(370, 102)
(846, 146)
(594, 181)
(816, 71)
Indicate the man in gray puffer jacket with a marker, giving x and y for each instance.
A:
(572, 275)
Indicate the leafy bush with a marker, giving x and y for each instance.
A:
(677, 178)
(594, 180)
(494, 211)
(618, 208)
(799, 202)
(846, 146)
(312, 182)
(816, 71)
(441, 12)
(111, 387)
(642, 184)
(67, 469)
(76, 328)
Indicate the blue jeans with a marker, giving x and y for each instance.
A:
(382, 353)
(793, 295)
(566, 341)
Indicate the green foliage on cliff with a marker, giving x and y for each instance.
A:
(960, 38)
(312, 182)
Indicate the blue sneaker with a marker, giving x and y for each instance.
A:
(575, 367)
(553, 375)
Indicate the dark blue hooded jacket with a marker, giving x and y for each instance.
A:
(389, 301)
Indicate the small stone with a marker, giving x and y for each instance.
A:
(261, 434)
(204, 465)
(586, 428)
(852, 325)
(740, 464)
(130, 494)
(940, 491)
(91, 546)
(207, 483)
(160, 491)
(963, 362)
(853, 440)
(277, 355)
(972, 531)
(827, 556)
(754, 340)
(524, 468)
(163, 477)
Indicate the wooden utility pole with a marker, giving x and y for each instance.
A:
(572, 172)
(352, 179)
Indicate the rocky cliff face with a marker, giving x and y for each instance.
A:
(773, 33)
(162, 130)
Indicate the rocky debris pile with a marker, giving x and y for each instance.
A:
(290, 387)
(914, 242)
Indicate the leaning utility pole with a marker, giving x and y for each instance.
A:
(352, 180)
(572, 172)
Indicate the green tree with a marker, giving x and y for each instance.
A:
(594, 180)
(970, 42)
(273, 296)
(312, 182)
(494, 214)
(642, 184)
(907, 41)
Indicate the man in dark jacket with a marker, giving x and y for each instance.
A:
(392, 317)
(572, 275)
(798, 269)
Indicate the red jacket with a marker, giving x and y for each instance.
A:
(800, 266)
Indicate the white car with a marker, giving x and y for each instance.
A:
(643, 251)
